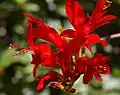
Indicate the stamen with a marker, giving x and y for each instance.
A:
(13, 46)
(20, 52)
(67, 83)
(107, 4)
(80, 52)
(73, 58)
(58, 85)
(60, 30)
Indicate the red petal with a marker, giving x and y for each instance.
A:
(88, 75)
(47, 33)
(68, 33)
(30, 17)
(47, 56)
(36, 59)
(100, 61)
(66, 69)
(94, 38)
(98, 17)
(49, 60)
(104, 20)
(75, 13)
(81, 64)
(107, 18)
(29, 36)
(105, 59)
(44, 56)
(98, 77)
(104, 69)
(43, 49)
(101, 24)
(73, 46)
(99, 7)
(42, 31)
(46, 79)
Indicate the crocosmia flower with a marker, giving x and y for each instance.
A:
(85, 24)
(67, 55)
(92, 67)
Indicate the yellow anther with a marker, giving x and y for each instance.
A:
(61, 87)
(79, 53)
(107, 4)
(60, 30)
(67, 82)
(13, 46)
(10, 47)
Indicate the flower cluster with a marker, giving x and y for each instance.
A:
(68, 55)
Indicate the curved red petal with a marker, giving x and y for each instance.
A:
(104, 69)
(73, 46)
(104, 43)
(81, 64)
(107, 18)
(49, 60)
(75, 13)
(46, 79)
(44, 56)
(48, 33)
(68, 33)
(98, 77)
(94, 38)
(99, 16)
(99, 60)
(90, 70)
(30, 17)
(101, 24)
(99, 7)
(88, 75)
(36, 59)
(29, 36)
(43, 31)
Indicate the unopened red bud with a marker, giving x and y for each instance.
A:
(72, 90)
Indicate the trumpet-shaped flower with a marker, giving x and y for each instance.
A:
(92, 67)
(71, 65)
(85, 24)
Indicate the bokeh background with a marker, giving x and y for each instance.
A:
(16, 71)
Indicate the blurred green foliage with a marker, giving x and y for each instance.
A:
(16, 71)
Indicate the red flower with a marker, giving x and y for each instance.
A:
(71, 68)
(84, 24)
(42, 53)
(81, 21)
(71, 72)
(42, 31)
(92, 67)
